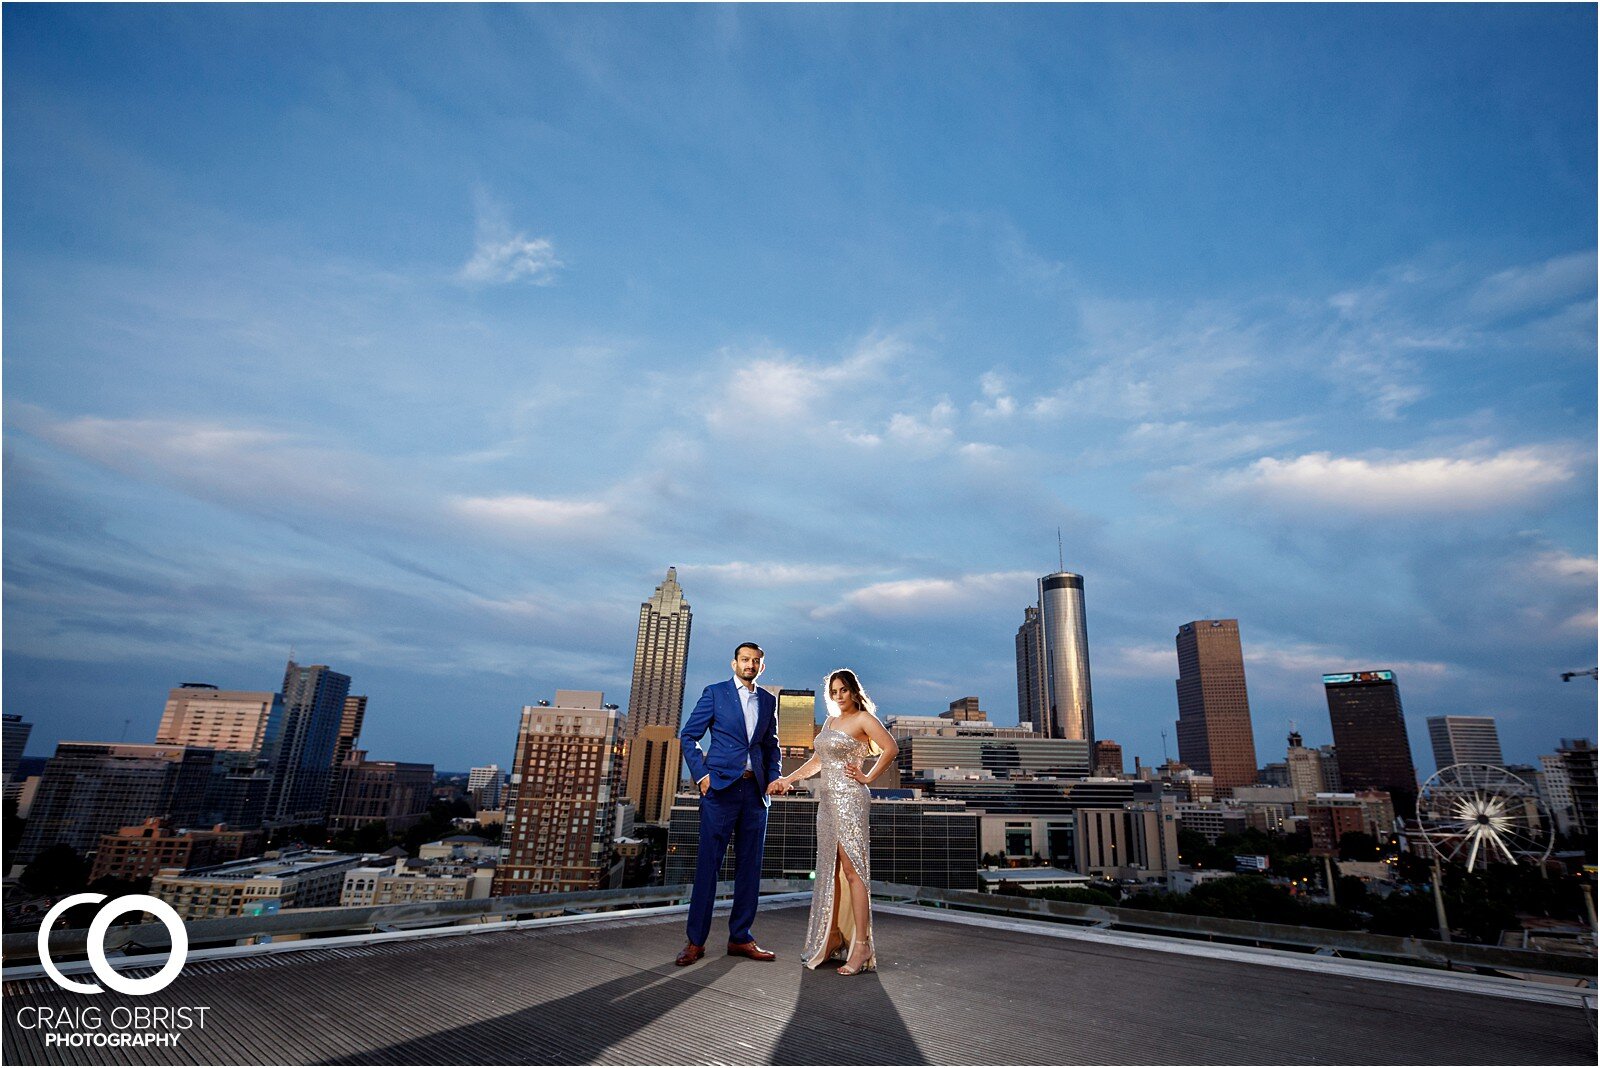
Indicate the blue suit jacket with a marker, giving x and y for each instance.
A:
(720, 711)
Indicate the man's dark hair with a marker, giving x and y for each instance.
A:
(762, 653)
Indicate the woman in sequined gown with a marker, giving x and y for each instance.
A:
(841, 903)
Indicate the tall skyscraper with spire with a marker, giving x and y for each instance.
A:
(1214, 732)
(1066, 652)
(660, 658)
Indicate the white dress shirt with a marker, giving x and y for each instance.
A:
(752, 710)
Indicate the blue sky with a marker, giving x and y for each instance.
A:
(421, 340)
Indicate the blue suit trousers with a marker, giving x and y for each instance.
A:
(738, 814)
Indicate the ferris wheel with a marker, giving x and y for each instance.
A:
(1480, 814)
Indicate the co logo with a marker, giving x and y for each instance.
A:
(97, 944)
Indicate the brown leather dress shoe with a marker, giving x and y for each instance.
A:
(690, 954)
(751, 950)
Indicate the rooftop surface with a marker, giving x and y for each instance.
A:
(951, 988)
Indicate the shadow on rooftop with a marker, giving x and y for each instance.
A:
(845, 1019)
(574, 1029)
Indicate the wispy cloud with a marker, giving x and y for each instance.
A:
(1309, 660)
(1135, 661)
(251, 467)
(523, 512)
(771, 388)
(770, 573)
(1399, 486)
(501, 255)
(1186, 443)
(919, 596)
(1563, 566)
(997, 403)
(1561, 280)
(1145, 360)
(924, 435)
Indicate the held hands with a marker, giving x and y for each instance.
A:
(779, 786)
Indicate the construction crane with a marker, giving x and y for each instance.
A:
(1593, 673)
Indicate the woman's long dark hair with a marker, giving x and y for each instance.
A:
(863, 702)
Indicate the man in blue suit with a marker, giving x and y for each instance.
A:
(736, 782)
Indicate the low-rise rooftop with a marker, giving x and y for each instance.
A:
(951, 988)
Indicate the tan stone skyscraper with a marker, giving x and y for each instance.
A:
(199, 714)
(1214, 732)
(654, 766)
(660, 658)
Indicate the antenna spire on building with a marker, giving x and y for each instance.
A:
(1061, 554)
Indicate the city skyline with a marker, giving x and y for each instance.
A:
(422, 350)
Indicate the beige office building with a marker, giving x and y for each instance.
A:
(561, 810)
(411, 880)
(1137, 841)
(1308, 772)
(654, 759)
(199, 714)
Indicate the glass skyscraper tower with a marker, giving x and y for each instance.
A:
(1066, 654)
(302, 760)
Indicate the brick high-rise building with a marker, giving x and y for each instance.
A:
(561, 810)
(1331, 817)
(1369, 733)
(1107, 758)
(143, 850)
(1214, 733)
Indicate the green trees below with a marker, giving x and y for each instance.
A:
(1246, 897)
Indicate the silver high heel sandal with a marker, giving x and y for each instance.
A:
(868, 965)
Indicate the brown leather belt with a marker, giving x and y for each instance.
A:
(748, 775)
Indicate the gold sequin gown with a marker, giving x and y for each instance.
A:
(842, 815)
